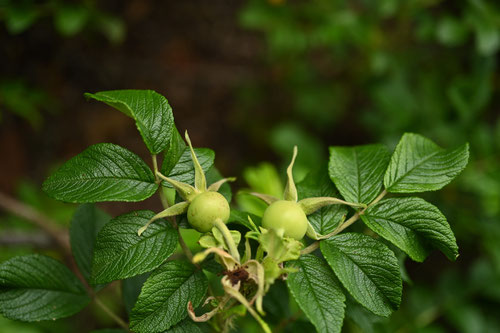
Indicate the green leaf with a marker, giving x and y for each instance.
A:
(131, 288)
(35, 287)
(110, 330)
(358, 172)
(367, 269)
(317, 184)
(85, 225)
(150, 110)
(185, 326)
(409, 223)
(419, 165)
(102, 172)
(318, 293)
(240, 217)
(179, 166)
(213, 175)
(120, 253)
(165, 295)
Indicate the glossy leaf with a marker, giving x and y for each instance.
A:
(358, 172)
(409, 223)
(318, 293)
(150, 110)
(419, 165)
(367, 269)
(165, 295)
(120, 253)
(35, 287)
(85, 225)
(102, 172)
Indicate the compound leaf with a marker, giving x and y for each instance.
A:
(102, 172)
(35, 287)
(317, 184)
(120, 253)
(165, 295)
(419, 165)
(150, 110)
(367, 269)
(318, 293)
(85, 225)
(358, 172)
(409, 223)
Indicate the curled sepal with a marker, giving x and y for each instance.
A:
(268, 199)
(229, 262)
(200, 182)
(186, 191)
(311, 233)
(216, 186)
(310, 205)
(234, 292)
(279, 248)
(227, 238)
(207, 315)
(256, 273)
(248, 250)
(177, 209)
(216, 239)
(290, 189)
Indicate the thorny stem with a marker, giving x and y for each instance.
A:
(344, 225)
(173, 221)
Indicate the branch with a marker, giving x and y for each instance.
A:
(37, 218)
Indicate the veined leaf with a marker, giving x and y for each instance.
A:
(367, 269)
(150, 110)
(102, 172)
(318, 293)
(35, 287)
(419, 165)
(120, 253)
(178, 164)
(317, 184)
(358, 172)
(185, 326)
(85, 225)
(165, 295)
(409, 223)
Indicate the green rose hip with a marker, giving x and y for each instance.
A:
(205, 209)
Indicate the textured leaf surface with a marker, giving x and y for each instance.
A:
(409, 223)
(183, 171)
(358, 172)
(419, 165)
(150, 110)
(86, 223)
(318, 184)
(185, 326)
(367, 269)
(120, 253)
(165, 295)
(102, 172)
(35, 287)
(318, 293)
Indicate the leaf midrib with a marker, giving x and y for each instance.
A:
(415, 166)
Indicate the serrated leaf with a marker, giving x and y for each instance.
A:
(102, 172)
(318, 293)
(150, 110)
(409, 223)
(165, 295)
(35, 287)
(178, 164)
(317, 184)
(358, 172)
(367, 269)
(131, 288)
(85, 225)
(185, 326)
(419, 165)
(120, 253)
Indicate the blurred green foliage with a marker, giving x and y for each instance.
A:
(365, 71)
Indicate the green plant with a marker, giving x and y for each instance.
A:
(320, 269)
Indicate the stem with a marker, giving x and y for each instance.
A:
(233, 250)
(32, 215)
(110, 313)
(344, 225)
(173, 220)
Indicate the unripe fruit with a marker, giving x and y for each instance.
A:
(288, 216)
(205, 209)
